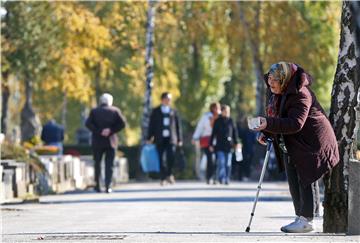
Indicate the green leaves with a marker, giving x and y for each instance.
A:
(201, 52)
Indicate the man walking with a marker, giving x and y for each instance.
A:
(104, 122)
(165, 132)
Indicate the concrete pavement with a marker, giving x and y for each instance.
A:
(147, 212)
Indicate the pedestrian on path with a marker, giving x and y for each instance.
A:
(202, 134)
(166, 133)
(225, 133)
(248, 140)
(303, 138)
(105, 121)
(53, 134)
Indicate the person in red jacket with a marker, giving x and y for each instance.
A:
(303, 138)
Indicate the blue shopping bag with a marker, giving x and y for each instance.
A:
(149, 158)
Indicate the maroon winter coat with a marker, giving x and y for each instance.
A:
(308, 135)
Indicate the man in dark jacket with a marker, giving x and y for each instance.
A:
(226, 136)
(104, 122)
(53, 134)
(165, 132)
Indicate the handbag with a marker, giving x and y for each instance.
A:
(238, 155)
(149, 158)
(180, 159)
(203, 163)
(204, 141)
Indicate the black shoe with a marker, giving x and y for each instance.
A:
(97, 189)
(108, 190)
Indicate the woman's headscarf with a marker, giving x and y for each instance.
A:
(282, 72)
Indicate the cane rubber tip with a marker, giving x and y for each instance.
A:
(247, 229)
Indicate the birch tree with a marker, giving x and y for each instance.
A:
(149, 62)
(342, 117)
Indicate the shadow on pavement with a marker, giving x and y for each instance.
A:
(239, 233)
(170, 199)
(171, 189)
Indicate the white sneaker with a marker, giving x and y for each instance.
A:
(283, 228)
(300, 225)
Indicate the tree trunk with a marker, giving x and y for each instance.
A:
(98, 90)
(30, 124)
(5, 94)
(342, 117)
(258, 65)
(64, 110)
(355, 10)
(5, 91)
(149, 62)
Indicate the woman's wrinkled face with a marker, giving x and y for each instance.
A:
(274, 84)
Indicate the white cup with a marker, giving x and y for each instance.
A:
(253, 122)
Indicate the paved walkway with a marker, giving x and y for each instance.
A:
(146, 212)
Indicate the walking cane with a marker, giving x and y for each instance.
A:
(268, 144)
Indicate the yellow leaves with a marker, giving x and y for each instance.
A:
(166, 79)
(114, 18)
(105, 67)
(101, 44)
(83, 39)
(74, 16)
(77, 85)
(168, 18)
(132, 136)
(82, 26)
(133, 42)
(73, 78)
(131, 71)
(134, 71)
(49, 84)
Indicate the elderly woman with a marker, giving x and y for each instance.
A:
(304, 140)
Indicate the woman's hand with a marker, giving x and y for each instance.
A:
(263, 124)
(261, 139)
